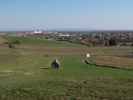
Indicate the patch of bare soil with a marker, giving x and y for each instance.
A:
(120, 62)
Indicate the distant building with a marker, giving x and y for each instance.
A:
(64, 35)
(38, 32)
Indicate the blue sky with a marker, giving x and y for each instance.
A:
(65, 14)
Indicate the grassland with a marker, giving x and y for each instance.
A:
(21, 76)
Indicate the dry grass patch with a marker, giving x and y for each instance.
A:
(120, 62)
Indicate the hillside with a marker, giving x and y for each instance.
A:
(22, 76)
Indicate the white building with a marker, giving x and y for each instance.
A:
(38, 32)
(64, 35)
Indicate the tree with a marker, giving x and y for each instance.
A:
(112, 42)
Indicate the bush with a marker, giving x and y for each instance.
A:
(112, 42)
(16, 42)
(10, 45)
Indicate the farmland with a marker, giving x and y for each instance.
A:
(21, 76)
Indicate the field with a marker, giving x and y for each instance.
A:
(22, 76)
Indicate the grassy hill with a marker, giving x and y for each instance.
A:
(43, 42)
(22, 76)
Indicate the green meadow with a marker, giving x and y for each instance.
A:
(26, 73)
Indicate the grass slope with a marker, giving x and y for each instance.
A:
(42, 42)
(21, 76)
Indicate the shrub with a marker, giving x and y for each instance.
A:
(16, 42)
(10, 45)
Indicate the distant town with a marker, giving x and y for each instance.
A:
(88, 38)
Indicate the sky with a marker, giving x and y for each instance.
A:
(66, 14)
